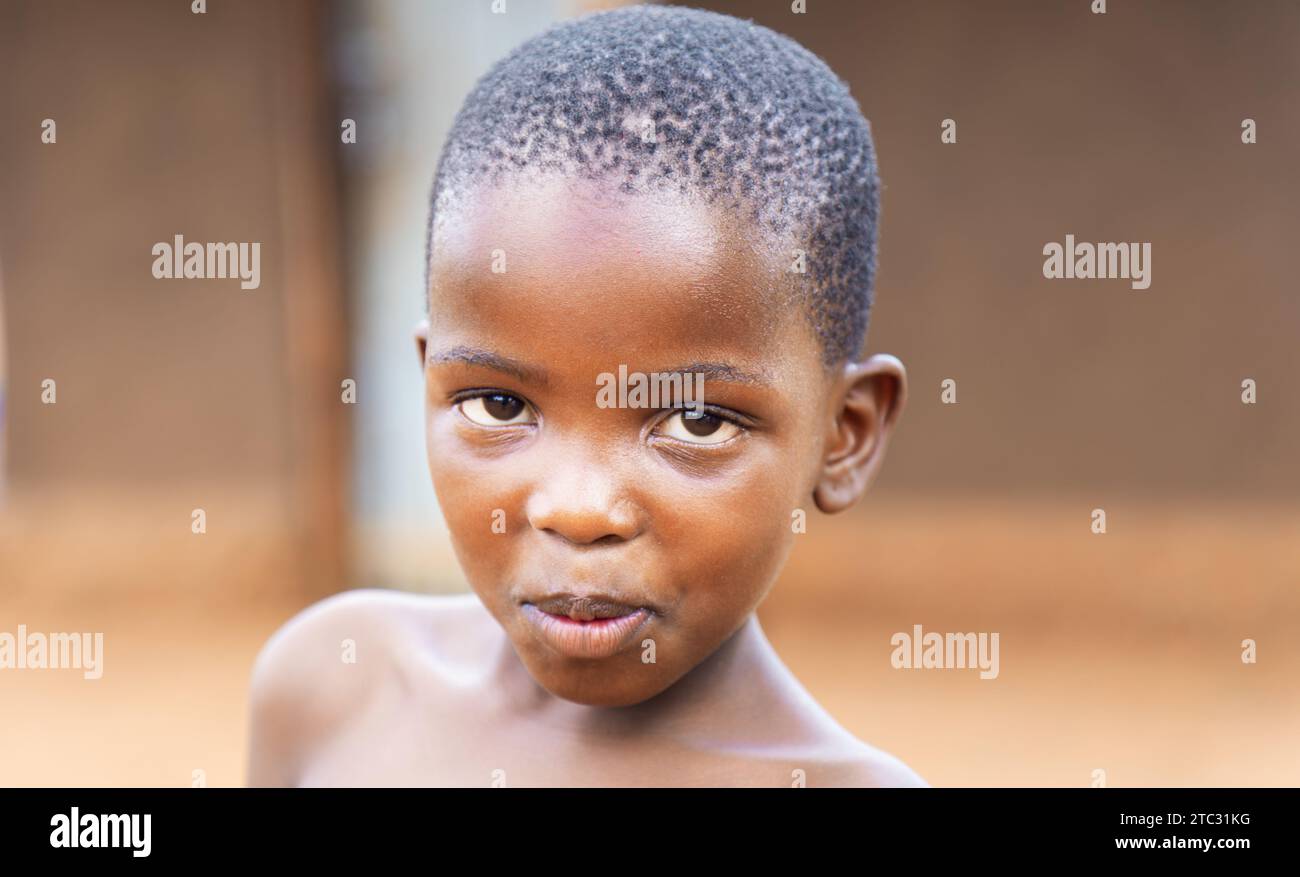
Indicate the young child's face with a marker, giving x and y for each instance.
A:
(549, 496)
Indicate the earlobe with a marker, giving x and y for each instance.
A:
(867, 405)
(422, 340)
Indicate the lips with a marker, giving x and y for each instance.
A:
(584, 608)
(586, 626)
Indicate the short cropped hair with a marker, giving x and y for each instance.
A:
(709, 104)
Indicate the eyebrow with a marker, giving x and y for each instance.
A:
(721, 371)
(479, 356)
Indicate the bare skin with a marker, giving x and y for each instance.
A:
(546, 493)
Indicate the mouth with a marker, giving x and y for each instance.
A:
(586, 626)
(589, 607)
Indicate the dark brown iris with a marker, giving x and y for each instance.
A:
(704, 425)
(503, 407)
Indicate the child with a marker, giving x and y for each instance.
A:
(649, 191)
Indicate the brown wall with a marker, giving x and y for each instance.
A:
(1115, 127)
(172, 394)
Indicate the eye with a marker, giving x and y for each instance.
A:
(496, 409)
(707, 429)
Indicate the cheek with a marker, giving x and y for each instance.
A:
(734, 532)
(727, 543)
(479, 499)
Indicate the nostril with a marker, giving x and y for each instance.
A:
(607, 539)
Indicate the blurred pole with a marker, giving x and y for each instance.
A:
(315, 340)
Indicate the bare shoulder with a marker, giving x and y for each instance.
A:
(323, 664)
(868, 767)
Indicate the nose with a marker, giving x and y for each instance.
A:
(583, 502)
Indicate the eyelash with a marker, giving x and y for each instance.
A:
(736, 419)
(479, 392)
(732, 417)
(463, 396)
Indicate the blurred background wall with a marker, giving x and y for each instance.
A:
(1120, 652)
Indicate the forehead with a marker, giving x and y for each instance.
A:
(545, 260)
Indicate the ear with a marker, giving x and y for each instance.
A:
(865, 404)
(422, 340)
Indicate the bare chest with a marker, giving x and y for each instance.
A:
(420, 745)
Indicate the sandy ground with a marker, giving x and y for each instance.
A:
(172, 701)
(1119, 655)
